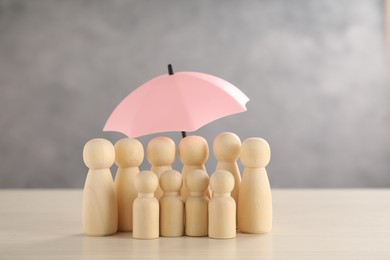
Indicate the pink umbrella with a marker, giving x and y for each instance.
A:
(184, 101)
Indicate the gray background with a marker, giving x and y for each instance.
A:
(315, 72)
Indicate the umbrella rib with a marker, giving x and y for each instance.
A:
(183, 106)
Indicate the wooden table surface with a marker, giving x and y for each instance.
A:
(308, 224)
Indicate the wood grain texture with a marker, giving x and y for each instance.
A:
(308, 224)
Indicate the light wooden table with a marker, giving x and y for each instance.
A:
(308, 224)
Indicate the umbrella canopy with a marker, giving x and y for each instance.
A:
(184, 101)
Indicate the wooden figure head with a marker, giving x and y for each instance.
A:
(221, 182)
(255, 152)
(146, 182)
(128, 153)
(226, 147)
(193, 150)
(197, 181)
(171, 181)
(98, 153)
(161, 151)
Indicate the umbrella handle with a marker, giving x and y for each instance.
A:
(170, 72)
(170, 69)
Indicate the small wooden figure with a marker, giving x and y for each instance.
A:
(226, 148)
(222, 207)
(193, 153)
(129, 154)
(171, 205)
(146, 207)
(100, 208)
(161, 153)
(197, 204)
(255, 202)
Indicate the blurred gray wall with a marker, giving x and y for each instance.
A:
(315, 72)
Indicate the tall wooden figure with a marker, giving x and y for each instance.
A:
(222, 207)
(226, 148)
(255, 202)
(161, 153)
(197, 204)
(171, 205)
(100, 208)
(146, 207)
(193, 153)
(129, 154)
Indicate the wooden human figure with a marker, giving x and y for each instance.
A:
(255, 202)
(100, 208)
(146, 207)
(196, 205)
(222, 207)
(226, 148)
(129, 154)
(193, 153)
(161, 153)
(171, 205)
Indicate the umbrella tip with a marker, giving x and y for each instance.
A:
(170, 70)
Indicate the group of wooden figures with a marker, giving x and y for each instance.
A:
(163, 202)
